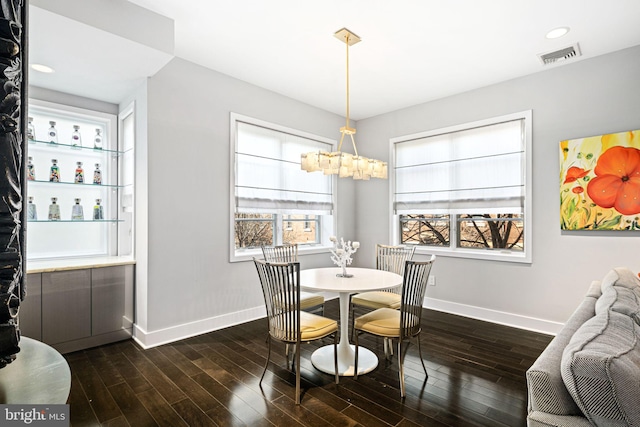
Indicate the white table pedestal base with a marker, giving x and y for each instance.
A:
(322, 359)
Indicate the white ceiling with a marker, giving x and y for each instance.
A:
(87, 61)
(412, 51)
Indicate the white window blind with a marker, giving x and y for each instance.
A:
(268, 174)
(478, 170)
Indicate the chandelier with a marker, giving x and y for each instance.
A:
(337, 162)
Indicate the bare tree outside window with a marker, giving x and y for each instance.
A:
(427, 230)
(253, 230)
(492, 231)
(475, 231)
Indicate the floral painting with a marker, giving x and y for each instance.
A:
(600, 182)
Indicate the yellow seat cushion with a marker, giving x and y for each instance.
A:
(312, 327)
(383, 321)
(376, 299)
(309, 299)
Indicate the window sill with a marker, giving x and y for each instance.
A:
(248, 254)
(489, 255)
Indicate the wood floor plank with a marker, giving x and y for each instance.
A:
(192, 389)
(80, 411)
(178, 358)
(163, 413)
(192, 414)
(119, 422)
(131, 375)
(109, 374)
(132, 408)
(247, 415)
(95, 390)
(154, 375)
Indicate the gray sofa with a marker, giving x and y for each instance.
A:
(589, 374)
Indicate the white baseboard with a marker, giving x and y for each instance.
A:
(494, 316)
(187, 330)
(151, 339)
(164, 336)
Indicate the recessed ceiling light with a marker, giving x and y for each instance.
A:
(557, 32)
(42, 68)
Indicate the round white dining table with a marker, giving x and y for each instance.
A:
(327, 280)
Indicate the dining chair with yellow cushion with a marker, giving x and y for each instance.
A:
(287, 323)
(403, 324)
(309, 301)
(388, 258)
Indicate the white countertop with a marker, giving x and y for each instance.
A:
(48, 266)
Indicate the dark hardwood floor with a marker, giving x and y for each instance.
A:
(476, 378)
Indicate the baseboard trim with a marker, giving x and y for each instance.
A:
(495, 316)
(151, 339)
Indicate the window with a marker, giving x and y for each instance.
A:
(273, 201)
(465, 191)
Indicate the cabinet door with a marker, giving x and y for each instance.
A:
(66, 306)
(30, 314)
(112, 299)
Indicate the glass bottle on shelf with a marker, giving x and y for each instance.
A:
(54, 176)
(54, 210)
(31, 171)
(97, 140)
(32, 213)
(76, 139)
(79, 178)
(31, 130)
(98, 213)
(77, 213)
(53, 133)
(97, 175)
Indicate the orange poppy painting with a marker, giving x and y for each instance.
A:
(600, 182)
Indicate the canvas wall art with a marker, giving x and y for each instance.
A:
(600, 182)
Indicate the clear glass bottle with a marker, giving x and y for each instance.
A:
(79, 177)
(98, 212)
(54, 175)
(31, 130)
(53, 133)
(54, 210)
(76, 138)
(32, 212)
(97, 175)
(31, 171)
(97, 140)
(77, 213)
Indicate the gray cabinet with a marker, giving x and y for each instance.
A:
(30, 313)
(111, 299)
(66, 306)
(79, 308)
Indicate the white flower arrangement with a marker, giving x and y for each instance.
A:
(341, 254)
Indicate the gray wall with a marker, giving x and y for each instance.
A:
(192, 286)
(586, 98)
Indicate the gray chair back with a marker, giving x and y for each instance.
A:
(393, 259)
(281, 297)
(414, 285)
(281, 253)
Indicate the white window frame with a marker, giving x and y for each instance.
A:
(327, 226)
(524, 256)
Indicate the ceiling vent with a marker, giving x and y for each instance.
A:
(560, 55)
